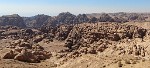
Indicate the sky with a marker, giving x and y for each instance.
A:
(54, 7)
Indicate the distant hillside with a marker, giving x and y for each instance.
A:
(13, 20)
(38, 21)
(35, 21)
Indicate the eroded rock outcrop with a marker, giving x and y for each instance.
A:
(26, 52)
(94, 38)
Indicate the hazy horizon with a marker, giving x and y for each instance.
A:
(54, 7)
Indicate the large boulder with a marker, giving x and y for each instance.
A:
(9, 55)
(38, 38)
(26, 57)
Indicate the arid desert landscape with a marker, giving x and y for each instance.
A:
(97, 40)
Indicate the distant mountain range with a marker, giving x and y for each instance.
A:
(68, 18)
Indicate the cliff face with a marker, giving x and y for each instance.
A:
(13, 20)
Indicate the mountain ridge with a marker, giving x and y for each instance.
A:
(40, 20)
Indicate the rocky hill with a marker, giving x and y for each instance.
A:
(121, 16)
(35, 21)
(68, 18)
(13, 20)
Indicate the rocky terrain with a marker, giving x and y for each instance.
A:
(102, 40)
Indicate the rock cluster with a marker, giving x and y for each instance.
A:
(94, 38)
(62, 32)
(136, 50)
(26, 52)
(80, 38)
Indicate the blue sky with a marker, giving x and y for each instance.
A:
(54, 7)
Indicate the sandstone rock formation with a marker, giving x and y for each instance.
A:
(24, 51)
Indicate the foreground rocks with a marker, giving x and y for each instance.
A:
(23, 51)
(65, 42)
